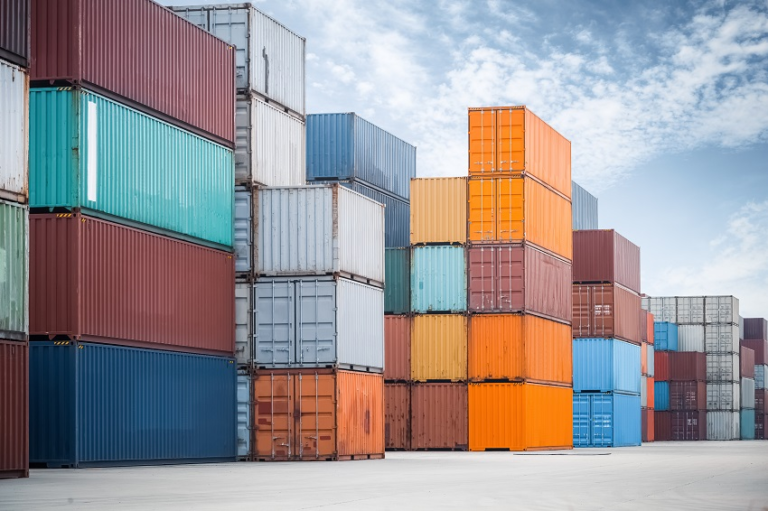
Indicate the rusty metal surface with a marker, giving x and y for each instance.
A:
(14, 409)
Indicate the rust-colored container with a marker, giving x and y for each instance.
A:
(14, 409)
(661, 365)
(643, 321)
(761, 421)
(607, 311)
(520, 417)
(648, 425)
(142, 54)
(439, 416)
(761, 400)
(508, 347)
(687, 395)
(518, 278)
(439, 210)
(760, 347)
(14, 31)
(397, 416)
(439, 347)
(677, 426)
(513, 140)
(397, 348)
(98, 281)
(307, 414)
(644, 358)
(650, 390)
(606, 256)
(747, 360)
(687, 366)
(649, 319)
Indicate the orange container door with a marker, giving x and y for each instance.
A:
(549, 223)
(482, 141)
(549, 417)
(495, 347)
(644, 358)
(510, 140)
(360, 418)
(482, 210)
(273, 418)
(314, 403)
(510, 215)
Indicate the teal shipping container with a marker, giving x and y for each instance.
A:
(89, 152)
(438, 279)
(397, 290)
(14, 269)
(747, 424)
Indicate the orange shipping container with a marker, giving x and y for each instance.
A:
(439, 210)
(318, 415)
(519, 348)
(513, 140)
(519, 417)
(643, 358)
(651, 385)
(439, 347)
(515, 209)
(397, 348)
(649, 326)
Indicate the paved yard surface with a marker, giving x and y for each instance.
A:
(696, 476)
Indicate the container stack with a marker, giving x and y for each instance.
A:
(680, 395)
(584, 209)
(755, 335)
(131, 264)
(14, 238)
(748, 393)
(607, 340)
(647, 383)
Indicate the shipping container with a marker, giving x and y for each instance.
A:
(14, 271)
(98, 281)
(748, 393)
(397, 416)
(397, 271)
(761, 421)
(677, 426)
(723, 367)
(513, 140)
(244, 423)
(141, 53)
(606, 365)
(309, 414)
(397, 213)
(661, 396)
(694, 310)
(346, 146)
(92, 153)
(648, 423)
(760, 348)
(649, 327)
(438, 279)
(663, 309)
(665, 336)
(747, 361)
(518, 278)
(516, 209)
(270, 58)
(761, 371)
(723, 396)
(643, 330)
(687, 395)
(605, 256)
(755, 328)
(691, 338)
(519, 348)
(661, 365)
(606, 420)
(439, 210)
(650, 359)
(723, 425)
(650, 386)
(14, 130)
(644, 392)
(584, 208)
(721, 309)
(741, 328)
(439, 416)
(14, 409)
(439, 347)
(691, 310)
(761, 399)
(520, 417)
(318, 322)
(397, 348)
(719, 338)
(243, 231)
(747, 424)
(98, 405)
(644, 359)
(14, 31)
(243, 326)
(687, 366)
(606, 310)
(319, 230)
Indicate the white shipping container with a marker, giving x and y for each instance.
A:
(14, 133)
(319, 230)
(690, 338)
(243, 328)
(650, 367)
(723, 426)
(722, 309)
(663, 309)
(723, 396)
(720, 338)
(643, 391)
(747, 393)
(243, 415)
(690, 310)
(723, 367)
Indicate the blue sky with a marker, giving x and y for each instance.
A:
(666, 105)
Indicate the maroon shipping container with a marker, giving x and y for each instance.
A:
(687, 395)
(142, 54)
(14, 31)
(747, 359)
(661, 365)
(439, 416)
(760, 424)
(98, 281)
(676, 426)
(755, 328)
(761, 399)
(641, 324)
(397, 348)
(662, 426)
(687, 366)
(760, 347)
(606, 256)
(605, 310)
(14, 409)
(519, 278)
(647, 425)
(397, 416)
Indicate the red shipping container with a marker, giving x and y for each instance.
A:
(662, 426)
(687, 395)
(14, 31)
(661, 365)
(649, 319)
(676, 426)
(14, 409)
(747, 360)
(397, 416)
(760, 347)
(141, 54)
(760, 424)
(98, 281)
(606, 256)
(687, 366)
(605, 310)
(397, 348)
(519, 278)
(439, 416)
(755, 328)
(648, 425)
(761, 399)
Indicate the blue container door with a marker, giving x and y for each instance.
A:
(582, 418)
(626, 420)
(602, 420)
(661, 396)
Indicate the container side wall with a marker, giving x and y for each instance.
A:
(361, 235)
(439, 347)
(360, 401)
(14, 280)
(360, 311)
(14, 409)
(439, 210)
(723, 425)
(584, 209)
(14, 130)
(605, 365)
(397, 213)
(747, 424)
(626, 419)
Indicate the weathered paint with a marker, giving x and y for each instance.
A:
(14, 132)
(14, 409)
(438, 279)
(439, 347)
(14, 271)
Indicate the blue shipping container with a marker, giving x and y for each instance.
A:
(661, 396)
(584, 207)
(101, 405)
(397, 214)
(605, 365)
(346, 146)
(439, 279)
(665, 336)
(606, 420)
(747, 424)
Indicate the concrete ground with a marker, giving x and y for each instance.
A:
(696, 476)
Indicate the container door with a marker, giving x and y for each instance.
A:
(603, 311)
(315, 322)
(482, 142)
(243, 314)
(582, 310)
(581, 420)
(482, 279)
(602, 420)
(314, 416)
(243, 415)
(274, 319)
(272, 416)
(510, 214)
(510, 140)
(511, 279)
(482, 210)
(231, 25)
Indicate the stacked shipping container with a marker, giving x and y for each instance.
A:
(648, 378)
(584, 209)
(748, 393)
(755, 339)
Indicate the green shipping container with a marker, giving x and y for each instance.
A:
(89, 152)
(397, 276)
(14, 268)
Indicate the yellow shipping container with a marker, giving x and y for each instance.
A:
(439, 347)
(520, 417)
(438, 210)
(515, 209)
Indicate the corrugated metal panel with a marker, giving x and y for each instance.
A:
(397, 292)
(397, 348)
(720, 338)
(270, 148)
(243, 237)
(661, 365)
(761, 399)
(691, 338)
(748, 393)
(98, 405)
(14, 131)
(644, 391)
(676, 426)
(605, 365)
(439, 416)
(607, 311)
(694, 310)
(346, 146)
(761, 421)
(243, 415)
(606, 256)
(14, 409)
(760, 347)
(761, 371)
(661, 396)
(142, 53)
(687, 366)
(397, 416)
(723, 396)
(665, 336)
(105, 282)
(687, 395)
(14, 31)
(439, 210)
(649, 360)
(584, 208)
(663, 309)
(439, 347)
(649, 322)
(243, 327)
(747, 361)
(747, 424)
(723, 367)
(606, 420)
(722, 309)
(649, 430)
(650, 388)
(14, 271)
(754, 328)
(723, 425)
(690, 310)
(438, 279)
(317, 230)
(90, 152)
(397, 213)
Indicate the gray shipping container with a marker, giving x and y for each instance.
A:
(397, 214)
(723, 396)
(723, 367)
(690, 338)
(694, 310)
(719, 338)
(243, 327)
(243, 415)
(14, 133)
(318, 322)
(761, 371)
(584, 208)
(723, 425)
(747, 393)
